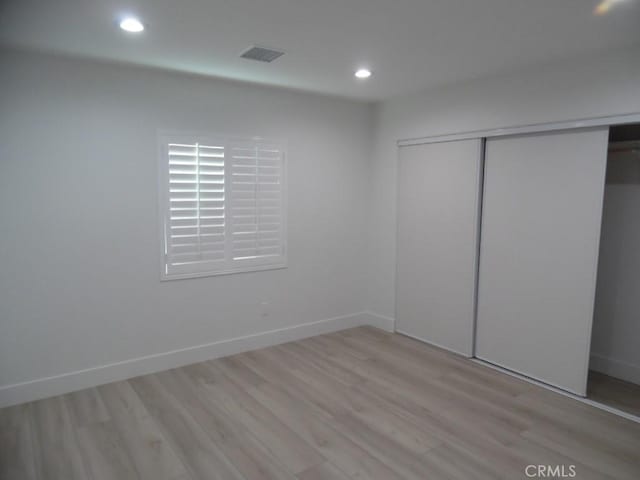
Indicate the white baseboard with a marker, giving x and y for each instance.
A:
(90, 377)
(615, 368)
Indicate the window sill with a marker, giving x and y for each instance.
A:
(245, 269)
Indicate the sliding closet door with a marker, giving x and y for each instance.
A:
(438, 192)
(541, 220)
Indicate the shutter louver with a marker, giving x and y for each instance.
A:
(223, 207)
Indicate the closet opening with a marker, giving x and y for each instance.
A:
(614, 368)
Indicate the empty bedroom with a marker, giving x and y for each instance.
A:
(319, 240)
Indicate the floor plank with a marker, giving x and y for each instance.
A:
(56, 448)
(614, 392)
(186, 436)
(324, 471)
(16, 444)
(86, 407)
(283, 443)
(104, 453)
(139, 434)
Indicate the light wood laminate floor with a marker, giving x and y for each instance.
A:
(357, 404)
(613, 392)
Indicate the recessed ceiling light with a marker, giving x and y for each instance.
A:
(363, 73)
(131, 24)
(604, 6)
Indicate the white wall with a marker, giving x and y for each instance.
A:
(615, 346)
(80, 281)
(588, 87)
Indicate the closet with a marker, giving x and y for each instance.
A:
(498, 240)
(614, 377)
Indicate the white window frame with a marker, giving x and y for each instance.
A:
(231, 266)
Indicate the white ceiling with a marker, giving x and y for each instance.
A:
(409, 44)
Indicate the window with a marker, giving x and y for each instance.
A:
(222, 205)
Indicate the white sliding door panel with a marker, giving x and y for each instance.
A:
(438, 204)
(541, 215)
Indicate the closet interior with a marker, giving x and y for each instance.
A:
(520, 250)
(614, 376)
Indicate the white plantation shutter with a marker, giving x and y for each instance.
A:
(256, 201)
(222, 206)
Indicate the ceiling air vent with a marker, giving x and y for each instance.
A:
(261, 54)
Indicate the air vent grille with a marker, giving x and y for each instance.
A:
(261, 54)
